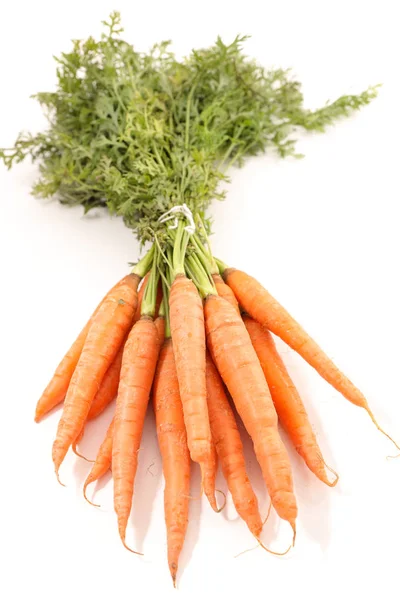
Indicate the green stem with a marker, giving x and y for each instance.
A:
(208, 252)
(150, 295)
(200, 276)
(179, 251)
(144, 265)
(166, 310)
(221, 265)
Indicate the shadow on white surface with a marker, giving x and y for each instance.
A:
(147, 482)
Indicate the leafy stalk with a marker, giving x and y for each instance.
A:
(150, 295)
(137, 133)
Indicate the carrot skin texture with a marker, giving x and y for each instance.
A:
(103, 459)
(104, 338)
(233, 354)
(188, 340)
(229, 448)
(57, 388)
(288, 403)
(171, 433)
(137, 372)
(160, 326)
(109, 386)
(263, 307)
(225, 291)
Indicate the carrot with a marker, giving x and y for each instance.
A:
(289, 406)
(103, 461)
(160, 326)
(239, 367)
(138, 367)
(104, 338)
(188, 339)
(74, 445)
(57, 388)
(225, 291)
(109, 386)
(174, 450)
(229, 447)
(263, 307)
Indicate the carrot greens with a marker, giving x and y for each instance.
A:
(141, 132)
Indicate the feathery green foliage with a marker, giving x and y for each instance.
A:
(140, 132)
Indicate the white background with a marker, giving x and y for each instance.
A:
(323, 236)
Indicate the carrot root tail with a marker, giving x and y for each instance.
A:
(263, 546)
(58, 478)
(87, 482)
(379, 428)
(128, 548)
(273, 551)
(268, 514)
(77, 453)
(293, 526)
(336, 476)
(221, 508)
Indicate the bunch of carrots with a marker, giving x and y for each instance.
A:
(149, 137)
(192, 336)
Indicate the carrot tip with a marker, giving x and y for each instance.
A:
(268, 514)
(85, 496)
(247, 550)
(379, 428)
(273, 551)
(336, 476)
(172, 569)
(293, 526)
(221, 508)
(75, 451)
(58, 479)
(130, 549)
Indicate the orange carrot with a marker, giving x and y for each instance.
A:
(138, 367)
(188, 339)
(103, 340)
(56, 390)
(225, 291)
(229, 447)
(263, 307)
(109, 386)
(103, 461)
(289, 406)
(239, 367)
(174, 450)
(160, 326)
